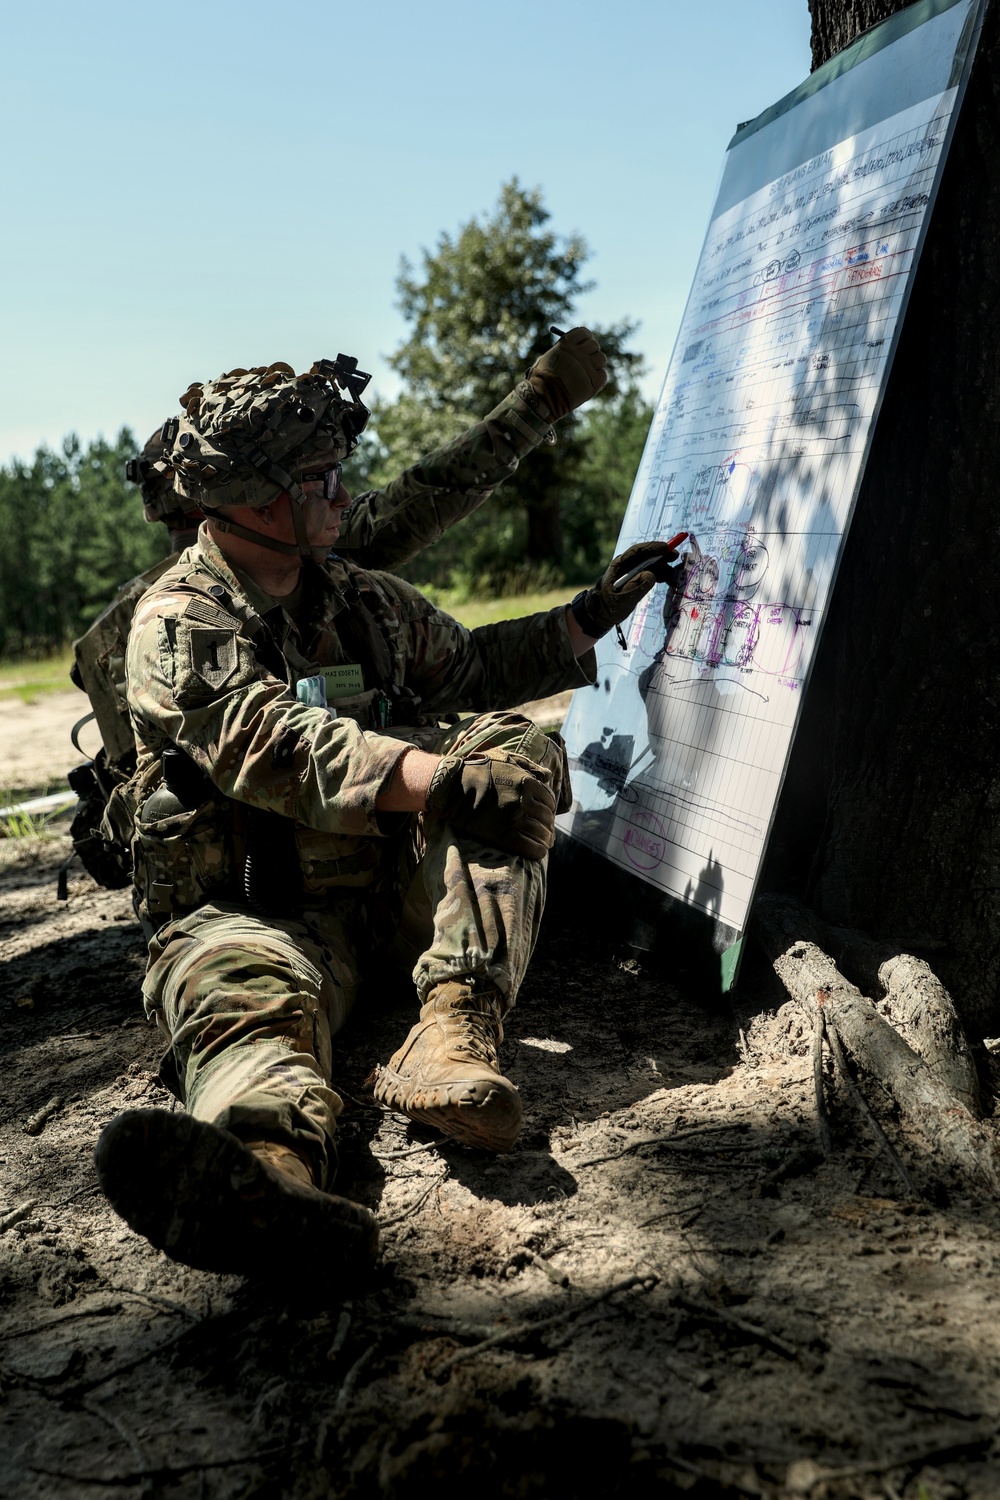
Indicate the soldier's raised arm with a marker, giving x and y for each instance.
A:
(385, 528)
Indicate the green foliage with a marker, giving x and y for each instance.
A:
(480, 312)
(73, 532)
(26, 825)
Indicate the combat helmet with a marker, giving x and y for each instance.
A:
(244, 437)
(153, 472)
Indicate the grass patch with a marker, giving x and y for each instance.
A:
(475, 612)
(28, 680)
(31, 825)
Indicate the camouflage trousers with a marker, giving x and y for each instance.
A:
(250, 1004)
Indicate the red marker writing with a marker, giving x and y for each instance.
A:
(646, 567)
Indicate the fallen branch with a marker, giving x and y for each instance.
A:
(410, 1151)
(941, 1120)
(753, 1330)
(844, 1073)
(102, 1310)
(656, 1140)
(161, 1472)
(822, 1118)
(398, 1218)
(117, 1425)
(702, 1380)
(519, 1331)
(914, 998)
(91, 1187)
(17, 1214)
(523, 1256)
(920, 1006)
(558, 1278)
(448, 1327)
(340, 1335)
(798, 1161)
(350, 1381)
(39, 1120)
(964, 1447)
(76, 1392)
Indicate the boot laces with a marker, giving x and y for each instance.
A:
(472, 1034)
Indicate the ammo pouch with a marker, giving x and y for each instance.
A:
(182, 857)
(117, 826)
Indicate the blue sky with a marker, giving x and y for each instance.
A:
(191, 187)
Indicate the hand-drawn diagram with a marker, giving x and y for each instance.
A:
(756, 449)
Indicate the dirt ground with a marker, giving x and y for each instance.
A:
(35, 748)
(665, 1289)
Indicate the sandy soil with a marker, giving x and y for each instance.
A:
(663, 1290)
(35, 745)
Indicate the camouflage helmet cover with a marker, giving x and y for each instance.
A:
(242, 438)
(154, 474)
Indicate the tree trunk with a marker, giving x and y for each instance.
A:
(836, 23)
(545, 533)
(890, 818)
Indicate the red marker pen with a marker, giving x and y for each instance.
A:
(645, 567)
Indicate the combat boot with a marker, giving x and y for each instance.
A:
(205, 1198)
(447, 1074)
(282, 1158)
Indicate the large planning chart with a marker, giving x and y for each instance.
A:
(757, 450)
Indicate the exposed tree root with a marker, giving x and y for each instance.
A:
(930, 1073)
(914, 1000)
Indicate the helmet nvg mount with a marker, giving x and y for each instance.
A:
(244, 438)
(154, 474)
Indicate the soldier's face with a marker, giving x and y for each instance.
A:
(322, 515)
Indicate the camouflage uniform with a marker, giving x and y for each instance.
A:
(380, 529)
(212, 664)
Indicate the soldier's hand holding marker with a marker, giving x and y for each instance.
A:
(628, 579)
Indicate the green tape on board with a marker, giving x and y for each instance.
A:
(729, 963)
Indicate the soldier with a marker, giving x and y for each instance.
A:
(380, 529)
(298, 799)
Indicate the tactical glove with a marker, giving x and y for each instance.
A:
(570, 372)
(502, 798)
(599, 609)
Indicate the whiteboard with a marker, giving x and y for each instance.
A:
(757, 448)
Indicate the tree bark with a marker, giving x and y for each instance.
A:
(836, 23)
(889, 820)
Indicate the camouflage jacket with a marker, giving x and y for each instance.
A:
(380, 529)
(212, 667)
(385, 528)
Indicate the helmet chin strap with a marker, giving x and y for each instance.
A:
(301, 547)
(222, 523)
(306, 548)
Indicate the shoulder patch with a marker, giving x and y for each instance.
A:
(213, 654)
(210, 614)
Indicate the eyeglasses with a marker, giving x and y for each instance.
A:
(329, 478)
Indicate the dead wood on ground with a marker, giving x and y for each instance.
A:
(912, 1045)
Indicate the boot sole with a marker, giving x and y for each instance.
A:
(196, 1193)
(492, 1121)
